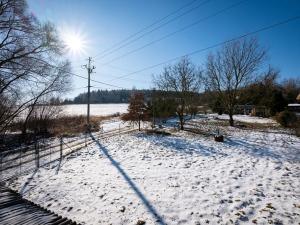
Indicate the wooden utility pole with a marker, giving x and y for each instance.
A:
(89, 70)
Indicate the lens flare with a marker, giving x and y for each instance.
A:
(74, 41)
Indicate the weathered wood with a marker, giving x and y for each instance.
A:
(14, 210)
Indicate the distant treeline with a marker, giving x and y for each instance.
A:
(107, 96)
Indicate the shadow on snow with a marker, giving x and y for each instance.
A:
(257, 150)
(147, 204)
(181, 145)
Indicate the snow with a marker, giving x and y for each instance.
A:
(246, 119)
(113, 124)
(253, 177)
(96, 109)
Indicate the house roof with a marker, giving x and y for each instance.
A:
(294, 104)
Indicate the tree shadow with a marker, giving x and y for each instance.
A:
(181, 145)
(147, 204)
(257, 150)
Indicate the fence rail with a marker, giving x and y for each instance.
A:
(41, 154)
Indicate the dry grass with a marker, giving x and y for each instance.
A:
(66, 125)
(72, 125)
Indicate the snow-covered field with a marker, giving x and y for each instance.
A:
(96, 109)
(247, 119)
(251, 178)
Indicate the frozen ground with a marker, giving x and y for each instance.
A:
(251, 178)
(96, 109)
(247, 119)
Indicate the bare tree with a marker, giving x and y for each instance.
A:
(57, 83)
(291, 88)
(40, 117)
(232, 68)
(184, 79)
(26, 48)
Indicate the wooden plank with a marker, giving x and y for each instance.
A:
(14, 210)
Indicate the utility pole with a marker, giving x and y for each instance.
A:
(153, 110)
(89, 70)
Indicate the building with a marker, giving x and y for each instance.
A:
(295, 107)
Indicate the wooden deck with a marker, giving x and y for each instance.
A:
(16, 210)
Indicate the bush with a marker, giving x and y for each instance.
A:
(286, 118)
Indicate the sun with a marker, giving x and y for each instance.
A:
(74, 42)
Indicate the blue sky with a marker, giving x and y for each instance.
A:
(103, 23)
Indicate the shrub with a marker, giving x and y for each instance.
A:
(286, 118)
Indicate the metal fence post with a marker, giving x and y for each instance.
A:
(20, 160)
(61, 148)
(50, 157)
(37, 155)
(1, 168)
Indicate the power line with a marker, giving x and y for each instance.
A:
(77, 75)
(214, 46)
(176, 31)
(79, 88)
(154, 29)
(188, 54)
(96, 81)
(74, 74)
(145, 28)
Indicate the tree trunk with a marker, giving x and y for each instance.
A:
(181, 125)
(231, 122)
(139, 125)
(181, 122)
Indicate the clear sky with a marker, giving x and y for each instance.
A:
(103, 23)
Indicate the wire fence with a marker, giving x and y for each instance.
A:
(25, 160)
(45, 153)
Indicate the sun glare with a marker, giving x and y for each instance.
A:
(74, 41)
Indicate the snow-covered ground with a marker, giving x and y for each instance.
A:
(247, 119)
(251, 178)
(96, 109)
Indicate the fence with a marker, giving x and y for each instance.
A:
(26, 159)
(45, 153)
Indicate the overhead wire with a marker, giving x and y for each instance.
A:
(152, 30)
(188, 54)
(148, 26)
(175, 32)
(77, 75)
(213, 46)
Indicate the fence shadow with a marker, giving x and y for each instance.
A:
(24, 189)
(147, 204)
